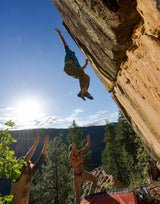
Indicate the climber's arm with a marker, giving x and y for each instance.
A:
(85, 64)
(82, 151)
(73, 151)
(61, 37)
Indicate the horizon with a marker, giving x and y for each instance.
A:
(10, 129)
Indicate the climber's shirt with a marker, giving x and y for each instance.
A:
(70, 55)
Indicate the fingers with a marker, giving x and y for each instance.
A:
(87, 60)
(58, 31)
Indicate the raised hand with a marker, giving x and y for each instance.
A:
(58, 31)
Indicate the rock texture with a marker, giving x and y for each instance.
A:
(154, 190)
(105, 182)
(137, 90)
(122, 40)
(101, 30)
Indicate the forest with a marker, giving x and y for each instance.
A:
(115, 147)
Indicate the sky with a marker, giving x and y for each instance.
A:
(34, 90)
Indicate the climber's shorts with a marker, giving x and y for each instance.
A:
(73, 71)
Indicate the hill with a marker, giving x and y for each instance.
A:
(25, 138)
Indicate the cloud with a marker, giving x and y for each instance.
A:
(98, 114)
(6, 109)
(76, 112)
(52, 121)
(98, 122)
(113, 117)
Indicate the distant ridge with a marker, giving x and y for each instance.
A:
(25, 139)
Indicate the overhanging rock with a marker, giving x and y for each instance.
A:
(102, 31)
(122, 40)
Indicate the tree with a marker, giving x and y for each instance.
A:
(54, 183)
(133, 153)
(142, 156)
(9, 168)
(122, 153)
(125, 139)
(110, 155)
(75, 135)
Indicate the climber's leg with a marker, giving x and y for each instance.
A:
(77, 186)
(90, 177)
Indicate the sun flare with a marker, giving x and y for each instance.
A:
(27, 110)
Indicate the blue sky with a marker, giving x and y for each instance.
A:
(35, 92)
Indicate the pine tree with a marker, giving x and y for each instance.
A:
(142, 156)
(110, 156)
(124, 153)
(127, 147)
(131, 150)
(75, 135)
(54, 184)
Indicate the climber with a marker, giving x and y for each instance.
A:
(20, 189)
(80, 175)
(73, 69)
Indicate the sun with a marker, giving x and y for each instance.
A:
(27, 110)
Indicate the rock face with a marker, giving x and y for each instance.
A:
(105, 182)
(122, 41)
(154, 190)
(102, 31)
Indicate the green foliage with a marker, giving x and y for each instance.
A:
(124, 153)
(110, 186)
(54, 183)
(5, 199)
(127, 149)
(9, 168)
(142, 154)
(110, 155)
(25, 139)
(75, 135)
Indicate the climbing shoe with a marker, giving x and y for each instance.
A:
(88, 95)
(81, 95)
